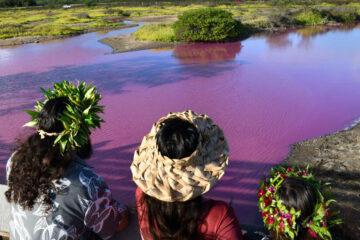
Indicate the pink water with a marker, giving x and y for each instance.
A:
(265, 92)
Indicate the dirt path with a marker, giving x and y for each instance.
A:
(335, 158)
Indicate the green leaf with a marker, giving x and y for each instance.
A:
(89, 93)
(33, 114)
(31, 124)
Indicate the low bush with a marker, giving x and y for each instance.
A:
(207, 25)
(83, 15)
(55, 30)
(11, 30)
(118, 12)
(103, 23)
(17, 3)
(310, 17)
(90, 3)
(345, 15)
(283, 20)
(156, 32)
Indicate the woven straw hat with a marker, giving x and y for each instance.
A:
(172, 180)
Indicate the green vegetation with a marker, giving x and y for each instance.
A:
(17, 3)
(254, 15)
(156, 32)
(55, 30)
(207, 25)
(310, 17)
(7, 31)
(57, 22)
(104, 23)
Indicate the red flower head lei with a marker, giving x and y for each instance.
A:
(283, 221)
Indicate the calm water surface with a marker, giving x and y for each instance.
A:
(265, 92)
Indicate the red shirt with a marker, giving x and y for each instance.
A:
(219, 221)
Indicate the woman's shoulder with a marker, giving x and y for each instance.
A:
(216, 207)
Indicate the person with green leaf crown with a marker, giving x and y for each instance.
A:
(52, 191)
(296, 206)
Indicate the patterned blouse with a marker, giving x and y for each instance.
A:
(82, 209)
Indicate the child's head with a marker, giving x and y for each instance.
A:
(298, 193)
(293, 206)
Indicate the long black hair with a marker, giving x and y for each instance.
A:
(299, 194)
(176, 138)
(37, 162)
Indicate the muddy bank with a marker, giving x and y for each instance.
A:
(128, 42)
(37, 39)
(335, 158)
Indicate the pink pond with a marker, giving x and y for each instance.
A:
(266, 92)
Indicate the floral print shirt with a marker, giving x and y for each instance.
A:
(83, 208)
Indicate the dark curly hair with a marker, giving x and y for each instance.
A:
(176, 138)
(36, 162)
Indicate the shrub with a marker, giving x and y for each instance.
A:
(345, 15)
(207, 25)
(17, 3)
(90, 3)
(55, 30)
(104, 23)
(118, 12)
(83, 15)
(282, 19)
(310, 17)
(156, 32)
(11, 30)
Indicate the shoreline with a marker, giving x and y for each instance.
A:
(18, 41)
(127, 42)
(335, 158)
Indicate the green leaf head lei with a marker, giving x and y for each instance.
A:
(283, 221)
(80, 115)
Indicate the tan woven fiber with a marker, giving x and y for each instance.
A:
(172, 180)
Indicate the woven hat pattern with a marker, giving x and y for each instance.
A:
(172, 180)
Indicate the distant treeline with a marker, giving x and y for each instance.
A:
(57, 3)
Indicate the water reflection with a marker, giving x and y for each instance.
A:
(207, 53)
(282, 39)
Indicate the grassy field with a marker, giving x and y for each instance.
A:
(39, 21)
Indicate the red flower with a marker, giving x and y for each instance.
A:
(282, 226)
(267, 201)
(270, 220)
(312, 233)
(289, 169)
(283, 176)
(327, 214)
(264, 214)
(290, 221)
(261, 193)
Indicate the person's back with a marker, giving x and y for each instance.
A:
(217, 220)
(181, 158)
(53, 194)
(75, 211)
